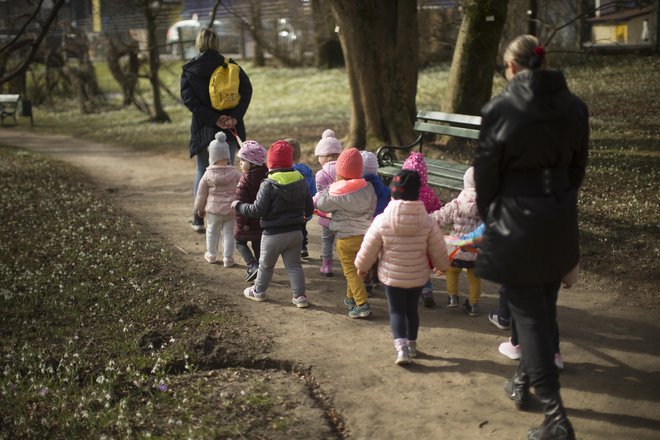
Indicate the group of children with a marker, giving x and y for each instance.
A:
(390, 235)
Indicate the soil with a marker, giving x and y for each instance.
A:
(611, 381)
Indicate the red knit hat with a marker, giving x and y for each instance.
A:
(349, 164)
(280, 155)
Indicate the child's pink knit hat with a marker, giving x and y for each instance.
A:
(415, 162)
(253, 152)
(328, 144)
(349, 164)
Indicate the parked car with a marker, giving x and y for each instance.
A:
(181, 37)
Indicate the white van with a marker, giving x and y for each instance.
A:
(187, 31)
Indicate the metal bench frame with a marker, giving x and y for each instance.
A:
(441, 173)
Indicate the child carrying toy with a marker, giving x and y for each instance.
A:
(462, 214)
(405, 237)
(215, 194)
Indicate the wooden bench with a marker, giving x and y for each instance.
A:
(441, 173)
(9, 107)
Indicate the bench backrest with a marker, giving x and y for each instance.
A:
(451, 124)
(9, 98)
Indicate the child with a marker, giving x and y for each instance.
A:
(404, 236)
(463, 215)
(327, 150)
(215, 194)
(351, 200)
(307, 173)
(370, 174)
(415, 162)
(282, 203)
(252, 156)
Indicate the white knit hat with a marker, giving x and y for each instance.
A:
(468, 179)
(370, 162)
(218, 148)
(328, 144)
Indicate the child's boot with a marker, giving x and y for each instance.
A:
(412, 348)
(326, 267)
(402, 351)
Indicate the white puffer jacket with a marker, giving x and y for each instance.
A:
(462, 214)
(404, 237)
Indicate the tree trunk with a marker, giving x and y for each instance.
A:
(471, 76)
(255, 16)
(154, 65)
(379, 41)
(327, 48)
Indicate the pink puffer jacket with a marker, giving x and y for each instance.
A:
(217, 190)
(324, 178)
(415, 162)
(404, 237)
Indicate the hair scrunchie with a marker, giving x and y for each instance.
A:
(536, 60)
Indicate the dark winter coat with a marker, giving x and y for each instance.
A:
(246, 228)
(195, 95)
(282, 203)
(529, 164)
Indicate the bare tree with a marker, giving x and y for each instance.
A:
(471, 75)
(21, 41)
(380, 46)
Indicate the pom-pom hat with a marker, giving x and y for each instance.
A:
(349, 165)
(253, 152)
(328, 144)
(280, 156)
(218, 148)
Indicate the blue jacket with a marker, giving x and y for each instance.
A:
(307, 173)
(382, 192)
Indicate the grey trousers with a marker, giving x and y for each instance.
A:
(288, 245)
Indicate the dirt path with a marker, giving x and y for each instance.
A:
(611, 384)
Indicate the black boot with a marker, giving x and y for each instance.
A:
(556, 425)
(517, 388)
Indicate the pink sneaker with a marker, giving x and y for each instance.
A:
(326, 267)
(559, 361)
(509, 350)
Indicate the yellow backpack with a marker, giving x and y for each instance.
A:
(223, 86)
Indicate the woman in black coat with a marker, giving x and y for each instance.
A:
(206, 121)
(529, 164)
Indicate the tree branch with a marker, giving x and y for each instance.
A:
(22, 30)
(35, 45)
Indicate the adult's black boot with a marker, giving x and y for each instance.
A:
(556, 425)
(517, 388)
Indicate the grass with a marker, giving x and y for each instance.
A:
(100, 338)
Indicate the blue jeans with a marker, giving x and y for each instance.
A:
(404, 314)
(534, 311)
(203, 163)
